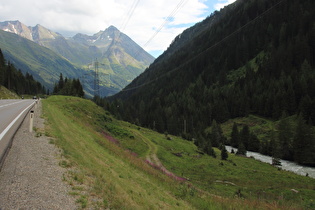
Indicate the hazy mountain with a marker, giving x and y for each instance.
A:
(112, 38)
(120, 58)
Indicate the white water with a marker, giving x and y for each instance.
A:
(285, 165)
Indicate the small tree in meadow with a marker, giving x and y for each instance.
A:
(224, 154)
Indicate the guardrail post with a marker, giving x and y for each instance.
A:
(31, 121)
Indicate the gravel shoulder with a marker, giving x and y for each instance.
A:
(31, 177)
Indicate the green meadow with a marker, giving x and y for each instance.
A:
(117, 165)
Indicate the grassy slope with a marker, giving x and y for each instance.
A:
(105, 174)
(260, 126)
(6, 94)
(111, 175)
(254, 180)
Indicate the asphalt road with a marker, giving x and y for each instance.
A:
(12, 113)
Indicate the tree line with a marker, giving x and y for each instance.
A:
(70, 87)
(14, 80)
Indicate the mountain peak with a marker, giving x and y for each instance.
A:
(39, 26)
(16, 27)
(11, 22)
(36, 34)
(41, 33)
(112, 28)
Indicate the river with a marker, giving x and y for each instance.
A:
(285, 165)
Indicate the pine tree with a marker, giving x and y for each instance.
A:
(304, 143)
(285, 135)
(224, 154)
(253, 143)
(2, 68)
(2, 60)
(290, 97)
(61, 82)
(275, 149)
(80, 89)
(216, 135)
(56, 89)
(244, 136)
(234, 136)
(209, 149)
(305, 107)
(8, 76)
(241, 149)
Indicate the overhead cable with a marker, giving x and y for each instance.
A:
(207, 49)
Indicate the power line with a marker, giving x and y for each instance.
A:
(126, 20)
(168, 19)
(124, 24)
(171, 15)
(206, 50)
(129, 14)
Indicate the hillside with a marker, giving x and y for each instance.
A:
(252, 57)
(15, 84)
(6, 94)
(120, 58)
(115, 164)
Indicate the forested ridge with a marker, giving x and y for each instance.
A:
(16, 81)
(253, 57)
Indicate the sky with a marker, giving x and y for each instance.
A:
(152, 24)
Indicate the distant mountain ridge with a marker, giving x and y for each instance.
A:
(120, 58)
(35, 34)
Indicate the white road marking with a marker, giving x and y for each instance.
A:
(11, 104)
(12, 123)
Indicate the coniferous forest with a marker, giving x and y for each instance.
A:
(14, 80)
(69, 87)
(253, 57)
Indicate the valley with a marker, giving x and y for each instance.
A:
(45, 54)
(137, 132)
(250, 59)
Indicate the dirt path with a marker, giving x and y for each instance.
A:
(31, 177)
(153, 159)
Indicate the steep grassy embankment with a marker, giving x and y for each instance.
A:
(6, 94)
(114, 164)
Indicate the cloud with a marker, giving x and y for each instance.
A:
(86, 16)
(224, 3)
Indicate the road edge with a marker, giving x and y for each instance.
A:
(10, 133)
